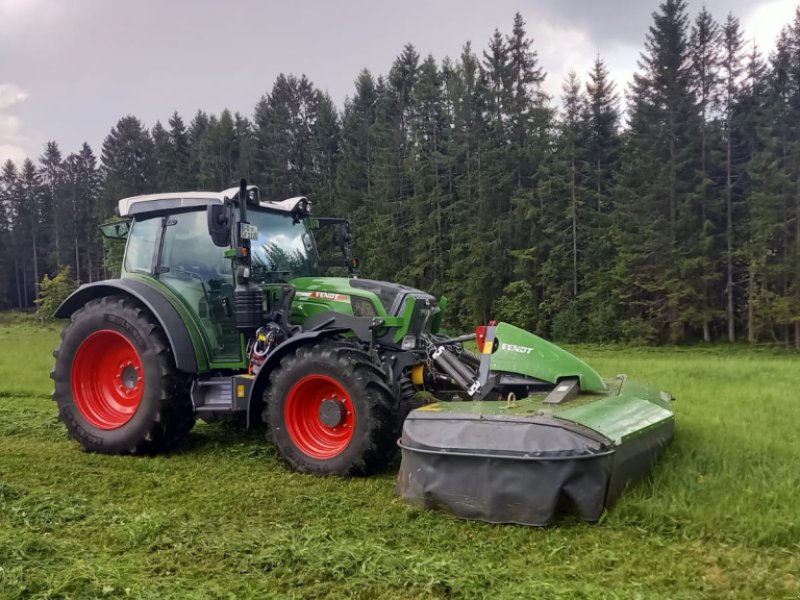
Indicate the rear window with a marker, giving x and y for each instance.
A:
(140, 253)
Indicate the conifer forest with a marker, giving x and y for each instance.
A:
(666, 210)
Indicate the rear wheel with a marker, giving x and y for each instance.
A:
(330, 412)
(116, 386)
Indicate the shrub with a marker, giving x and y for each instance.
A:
(638, 332)
(568, 325)
(52, 292)
(516, 305)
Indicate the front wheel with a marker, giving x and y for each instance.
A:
(330, 413)
(116, 385)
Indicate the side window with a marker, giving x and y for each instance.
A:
(198, 272)
(141, 248)
(189, 254)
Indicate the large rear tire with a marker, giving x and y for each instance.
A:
(330, 412)
(116, 385)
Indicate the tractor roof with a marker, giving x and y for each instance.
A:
(139, 205)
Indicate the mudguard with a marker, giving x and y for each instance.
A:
(174, 328)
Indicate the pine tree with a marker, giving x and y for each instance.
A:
(179, 165)
(129, 167)
(324, 150)
(355, 166)
(386, 243)
(244, 147)
(427, 167)
(29, 211)
(602, 154)
(731, 71)
(53, 212)
(163, 156)
(656, 279)
(284, 120)
(12, 207)
(704, 44)
(465, 281)
(197, 131)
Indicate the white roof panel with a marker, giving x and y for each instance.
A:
(156, 202)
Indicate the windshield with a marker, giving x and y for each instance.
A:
(283, 250)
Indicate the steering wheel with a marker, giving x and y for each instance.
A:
(188, 273)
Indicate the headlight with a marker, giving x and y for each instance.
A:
(409, 342)
(362, 307)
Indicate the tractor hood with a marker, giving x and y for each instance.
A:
(358, 297)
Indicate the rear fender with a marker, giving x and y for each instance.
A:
(178, 337)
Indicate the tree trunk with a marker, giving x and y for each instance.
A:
(35, 257)
(729, 241)
(706, 325)
(77, 229)
(574, 231)
(16, 278)
(24, 287)
(56, 228)
(751, 288)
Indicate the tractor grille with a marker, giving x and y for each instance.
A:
(425, 312)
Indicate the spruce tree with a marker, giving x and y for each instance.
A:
(704, 44)
(163, 156)
(730, 71)
(354, 168)
(179, 165)
(129, 167)
(657, 278)
(52, 216)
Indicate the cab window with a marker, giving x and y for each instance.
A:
(198, 272)
(142, 245)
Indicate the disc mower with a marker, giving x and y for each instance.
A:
(221, 313)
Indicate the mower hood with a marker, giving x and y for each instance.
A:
(518, 351)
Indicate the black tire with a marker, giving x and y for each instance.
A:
(374, 434)
(164, 415)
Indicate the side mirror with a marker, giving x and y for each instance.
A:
(219, 224)
(343, 236)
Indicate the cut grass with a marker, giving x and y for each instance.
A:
(221, 518)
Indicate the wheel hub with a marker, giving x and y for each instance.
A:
(130, 377)
(332, 412)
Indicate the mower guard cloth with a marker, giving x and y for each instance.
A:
(515, 469)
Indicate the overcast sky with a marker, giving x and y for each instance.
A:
(69, 69)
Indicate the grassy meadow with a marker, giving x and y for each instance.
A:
(221, 518)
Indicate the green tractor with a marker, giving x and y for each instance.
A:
(221, 313)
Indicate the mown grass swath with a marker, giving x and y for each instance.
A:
(222, 518)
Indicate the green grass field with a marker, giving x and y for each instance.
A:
(221, 518)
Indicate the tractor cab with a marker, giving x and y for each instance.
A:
(186, 243)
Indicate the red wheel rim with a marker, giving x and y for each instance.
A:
(107, 379)
(304, 422)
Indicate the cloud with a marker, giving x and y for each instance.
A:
(563, 49)
(12, 141)
(765, 21)
(10, 94)
(15, 153)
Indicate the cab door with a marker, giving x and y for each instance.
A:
(197, 271)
